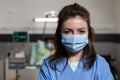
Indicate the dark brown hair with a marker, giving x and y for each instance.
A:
(67, 12)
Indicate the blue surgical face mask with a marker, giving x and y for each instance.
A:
(50, 45)
(74, 43)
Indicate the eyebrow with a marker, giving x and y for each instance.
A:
(67, 29)
(71, 29)
(82, 28)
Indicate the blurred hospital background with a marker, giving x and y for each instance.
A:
(24, 35)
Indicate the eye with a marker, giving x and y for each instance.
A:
(82, 31)
(66, 32)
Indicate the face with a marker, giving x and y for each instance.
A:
(75, 26)
(49, 41)
(50, 44)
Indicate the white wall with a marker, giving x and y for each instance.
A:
(117, 45)
(19, 14)
(117, 8)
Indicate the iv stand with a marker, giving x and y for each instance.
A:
(44, 29)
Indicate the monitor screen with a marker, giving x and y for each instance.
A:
(20, 36)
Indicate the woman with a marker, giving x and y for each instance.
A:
(75, 57)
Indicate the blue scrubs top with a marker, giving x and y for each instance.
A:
(99, 71)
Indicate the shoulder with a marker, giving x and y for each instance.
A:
(44, 73)
(102, 65)
(45, 65)
(103, 69)
(100, 60)
(54, 64)
(46, 61)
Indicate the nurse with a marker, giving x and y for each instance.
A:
(75, 57)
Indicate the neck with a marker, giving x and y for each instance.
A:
(75, 57)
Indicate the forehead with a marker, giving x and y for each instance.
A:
(75, 22)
